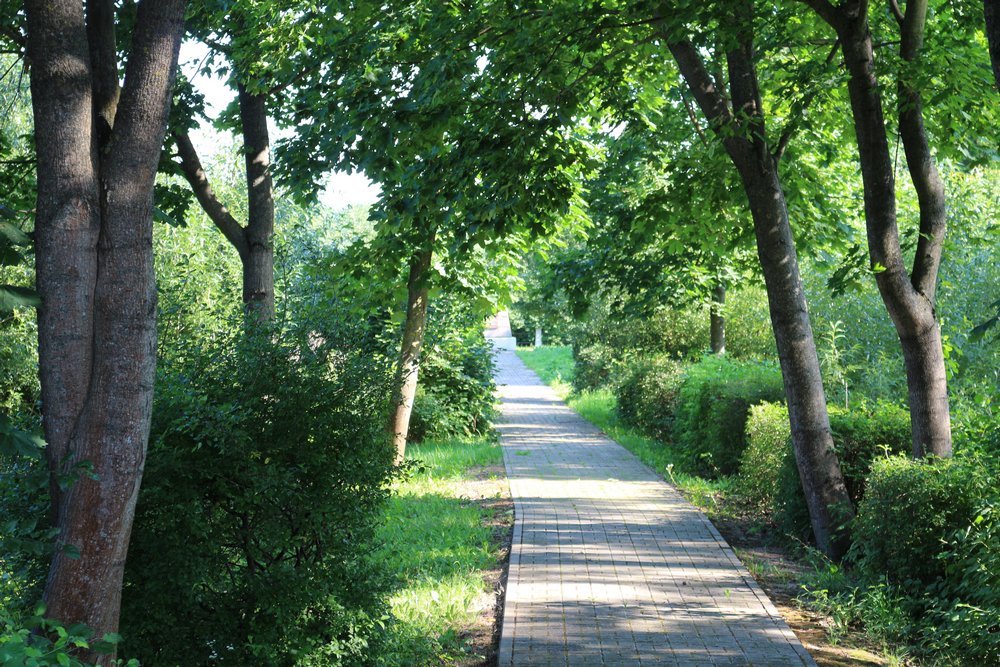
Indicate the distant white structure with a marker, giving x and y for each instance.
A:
(538, 336)
(498, 332)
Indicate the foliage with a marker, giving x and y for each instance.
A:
(647, 394)
(265, 478)
(768, 480)
(455, 392)
(37, 641)
(712, 408)
(964, 617)
(909, 508)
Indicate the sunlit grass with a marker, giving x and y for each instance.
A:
(437, 547)
(554, 365)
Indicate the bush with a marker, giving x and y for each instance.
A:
(909, 509)
(265, 479)
(455, 388)
(769, 478)
(597, 366)
(964, 619)
(712, 406)
(647, 392)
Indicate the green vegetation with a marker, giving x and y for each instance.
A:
(437, 547)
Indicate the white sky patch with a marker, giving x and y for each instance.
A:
(342, 189)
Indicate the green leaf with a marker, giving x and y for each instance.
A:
(14, 235)
(12, 296)
(71, 551)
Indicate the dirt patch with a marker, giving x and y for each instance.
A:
(488, 488)
(781, 578)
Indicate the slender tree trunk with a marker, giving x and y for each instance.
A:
(742, 131)
(254, 242)
(97, 324)
(991, 9)
(909, 297)
(258, 266)
(409, 356)
(718, 320)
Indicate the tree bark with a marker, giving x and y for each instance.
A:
(258, 266)
(409, 356)
(909, 298)
(991, 10)
(97, 325)
(718, 320)
(254, 242)
(742, 132)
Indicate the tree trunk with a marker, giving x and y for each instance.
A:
(909, 298)
(409, 356)
(991, 9)
(258, 266)
(742, 132)
(97, 324)
(254, 242)
(718, 320)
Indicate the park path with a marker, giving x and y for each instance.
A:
(609, 564)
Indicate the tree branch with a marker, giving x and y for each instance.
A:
(827, 11)
(202, 189)
(919, 159)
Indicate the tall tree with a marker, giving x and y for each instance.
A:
(98, 147)
(909, 296)
(737, 117)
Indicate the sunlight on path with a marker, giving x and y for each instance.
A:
(609, 565)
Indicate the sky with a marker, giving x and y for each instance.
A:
(342, 190)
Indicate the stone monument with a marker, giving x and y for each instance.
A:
(498, 332)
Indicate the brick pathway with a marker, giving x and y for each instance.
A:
(609, 565)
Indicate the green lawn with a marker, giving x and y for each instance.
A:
(554, 365)
(438, 547)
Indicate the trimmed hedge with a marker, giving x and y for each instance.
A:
(647, 393)
(769, 479)
(712, 407)
(910, 509)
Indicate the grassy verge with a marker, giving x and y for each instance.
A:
(554, 365)
(441, 546)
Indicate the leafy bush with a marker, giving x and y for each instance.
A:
(266, 474)
(36, 641)
(964, 618)
(769, 478)
(712, 406)
(455, 389)
(910, 507)
(646, 394)
(597, 366)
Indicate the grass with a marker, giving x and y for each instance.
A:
(554, 365)
(438, 548)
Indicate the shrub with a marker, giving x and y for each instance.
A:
(647, 392)
(909, 509)
(768, 449)
(964, 618)
(597, 366)
(712, 407)
(455, 389)
(266, 474)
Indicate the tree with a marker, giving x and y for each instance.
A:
(411, 97)
(909, 296)
(97, 152)
(737, 117)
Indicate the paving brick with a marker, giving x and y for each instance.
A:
(609, 564)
